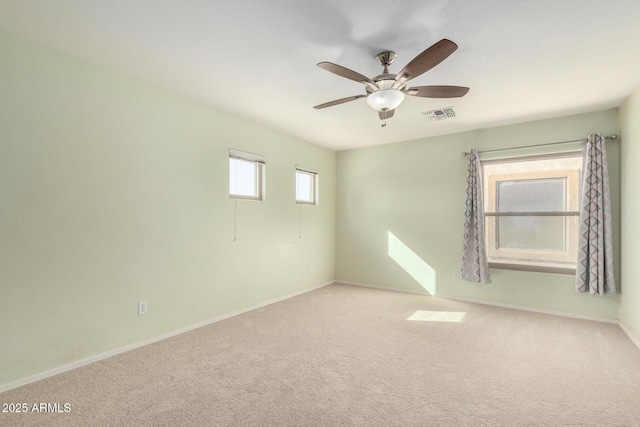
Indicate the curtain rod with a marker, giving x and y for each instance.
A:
(612, 137)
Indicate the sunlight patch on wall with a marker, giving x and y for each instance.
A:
(438, 316)
(412, 263)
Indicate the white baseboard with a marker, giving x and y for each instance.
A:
(535, 310)
(384, 288)
(496, 304)
(633, 339)
(102, 356)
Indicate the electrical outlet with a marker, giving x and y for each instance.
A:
(142, 307)
(308, 269)
(456, 275)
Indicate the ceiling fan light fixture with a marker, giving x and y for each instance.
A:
(385, 99)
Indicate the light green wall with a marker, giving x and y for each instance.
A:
(400, 213)
(114, 191)
(630, 149)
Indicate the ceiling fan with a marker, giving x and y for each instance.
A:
(386, 91)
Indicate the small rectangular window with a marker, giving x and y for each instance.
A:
(306, 185)
(531, 212)
(246, 175)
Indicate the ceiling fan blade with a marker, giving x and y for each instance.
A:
(344, 72)
(339, 101)
(384, 115)
(437, 91)
(428, 59)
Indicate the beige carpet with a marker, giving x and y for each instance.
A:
(344, 355)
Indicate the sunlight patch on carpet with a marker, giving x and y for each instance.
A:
(437, 316)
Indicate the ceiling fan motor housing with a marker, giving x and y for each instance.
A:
(384, 81)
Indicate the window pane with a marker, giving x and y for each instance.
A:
(243, 179)
(510, 242)
(537, 233)
(541, 195)
(304, 187)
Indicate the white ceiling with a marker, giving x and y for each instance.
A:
(523, 60)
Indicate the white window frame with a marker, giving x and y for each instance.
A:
(259, 162)
(573, 180)
(313, 174)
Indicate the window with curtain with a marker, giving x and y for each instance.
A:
(531, 210)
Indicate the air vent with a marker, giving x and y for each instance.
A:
(439, 114)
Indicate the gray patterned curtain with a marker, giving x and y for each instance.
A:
(475, 267)
(594, 270)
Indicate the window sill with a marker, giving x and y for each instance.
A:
(240, 197)
(533, 268)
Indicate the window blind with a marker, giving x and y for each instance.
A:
(306, 169)
(244, 155)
